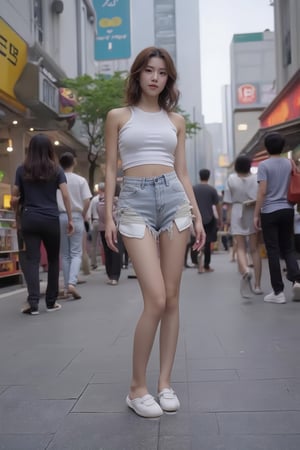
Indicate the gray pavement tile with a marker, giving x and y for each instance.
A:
(107, 376)
(183, 423)
(106, 432)
(248, 442)
(175, 443)
(209, 442)
(257, 395)
(291, 442)
(212, 375)
(35, 363)
(242, 362)
(3, 389)
(32, 416)
(269, 373)
(245, 442)
(24, 441)
(269, 422)
(60, 387)
(103, 398)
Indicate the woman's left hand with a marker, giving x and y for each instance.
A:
(199, 235)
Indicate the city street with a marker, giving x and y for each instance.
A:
(64, 376)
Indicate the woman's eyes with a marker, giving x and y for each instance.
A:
(162, 73)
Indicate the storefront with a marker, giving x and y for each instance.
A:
(31, 101)
(283, 116)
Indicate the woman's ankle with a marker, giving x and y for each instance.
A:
(137, 392)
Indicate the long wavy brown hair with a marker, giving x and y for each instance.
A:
(168, 98)
(41, 163)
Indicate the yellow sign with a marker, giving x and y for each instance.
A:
(13, 57)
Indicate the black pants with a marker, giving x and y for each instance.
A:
(278, 233)
(37, 228)
(112, 260)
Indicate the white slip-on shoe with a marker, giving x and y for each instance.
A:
(275, 298)
(296, 292)
(145, 406)
(168, 400)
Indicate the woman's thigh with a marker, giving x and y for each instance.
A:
(144, 256)
(172, 250)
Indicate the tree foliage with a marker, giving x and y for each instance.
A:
(95, 97)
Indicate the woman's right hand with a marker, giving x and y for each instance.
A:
(111, 235)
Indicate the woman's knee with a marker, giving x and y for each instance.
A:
(156, 304)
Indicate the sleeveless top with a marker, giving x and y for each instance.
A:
(147, 138)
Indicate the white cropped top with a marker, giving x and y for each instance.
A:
(147, 138)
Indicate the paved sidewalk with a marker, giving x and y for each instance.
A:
(64, 376)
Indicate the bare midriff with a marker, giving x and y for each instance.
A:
(148, 170)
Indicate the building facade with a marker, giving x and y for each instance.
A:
(41, 43)
(252, 58)
(283, 113)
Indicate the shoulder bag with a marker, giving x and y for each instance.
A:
(293, 193)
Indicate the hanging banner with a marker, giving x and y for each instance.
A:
(113, 29)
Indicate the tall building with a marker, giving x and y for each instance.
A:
(283, 113)
(252, 58)
(174, 25)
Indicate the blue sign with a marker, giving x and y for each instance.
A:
(113, 29)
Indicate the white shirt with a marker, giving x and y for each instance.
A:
(78, 191)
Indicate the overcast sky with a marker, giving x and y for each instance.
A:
(219, 21)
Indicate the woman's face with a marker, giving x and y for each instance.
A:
(153, 77)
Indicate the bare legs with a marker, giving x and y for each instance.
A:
(159, 278)
(242, 256)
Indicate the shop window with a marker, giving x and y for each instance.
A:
(287, 54)
(38, 20)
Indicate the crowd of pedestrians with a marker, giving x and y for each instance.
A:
(156, 218)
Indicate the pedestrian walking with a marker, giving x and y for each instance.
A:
(275, 216)
(36, 183)
(240, 196)
(94, 220)
(207, 198)
(156, 207)
(113, 260)
(71, 245)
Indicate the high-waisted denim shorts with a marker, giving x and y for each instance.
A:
(156, 203)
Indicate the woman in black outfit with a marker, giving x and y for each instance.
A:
(36, 183)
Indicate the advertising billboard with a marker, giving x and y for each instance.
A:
(113, 29)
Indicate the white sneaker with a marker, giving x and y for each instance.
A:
(144, 406)
(275, 298)
(296, 292)
(168, 400)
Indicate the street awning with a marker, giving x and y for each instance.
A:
(282, 116)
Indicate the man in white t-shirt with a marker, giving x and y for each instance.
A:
(71, 245)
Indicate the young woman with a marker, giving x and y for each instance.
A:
(36, 183)
(240, 195)
(155, 211)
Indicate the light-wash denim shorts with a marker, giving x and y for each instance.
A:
(156, 203)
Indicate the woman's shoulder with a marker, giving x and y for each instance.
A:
(177, 120)
(118, 113)
(176, 117)
(119, 116)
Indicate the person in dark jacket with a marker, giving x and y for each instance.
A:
(207, 197)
